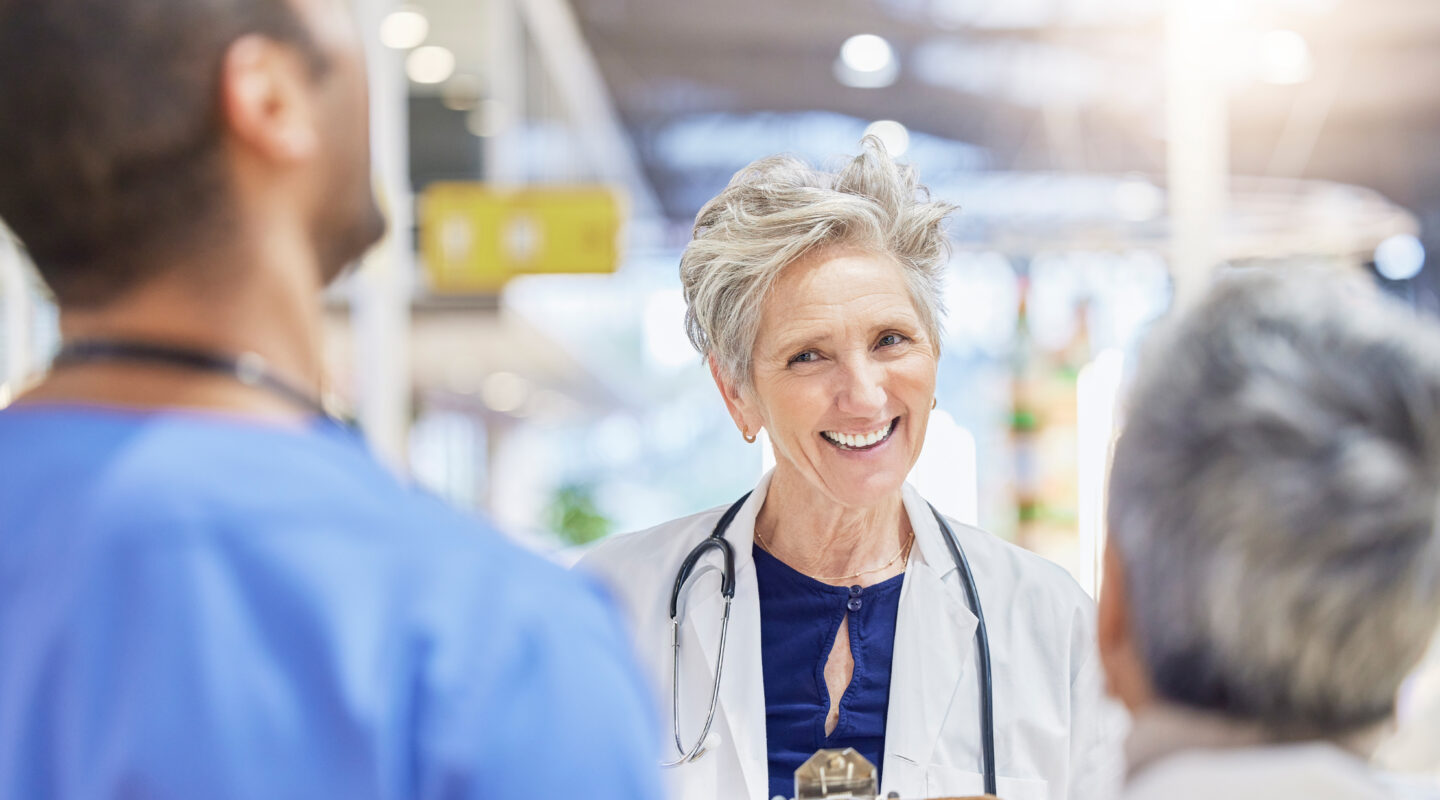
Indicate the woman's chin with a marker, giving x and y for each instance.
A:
(859, 485)
(877, 471)
(856, 477)
(871, 495)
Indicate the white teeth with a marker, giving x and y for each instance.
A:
(863, 440)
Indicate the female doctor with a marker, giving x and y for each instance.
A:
(815, 298)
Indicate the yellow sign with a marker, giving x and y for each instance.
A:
(474, 237)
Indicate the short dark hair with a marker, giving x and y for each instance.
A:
(110, 135)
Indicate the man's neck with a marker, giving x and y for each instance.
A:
(269, 306)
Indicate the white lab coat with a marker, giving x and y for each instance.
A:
(1056, 738)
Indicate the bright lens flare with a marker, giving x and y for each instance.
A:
(1285, 58)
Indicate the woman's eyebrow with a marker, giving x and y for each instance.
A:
(796, 344)
(801, 336)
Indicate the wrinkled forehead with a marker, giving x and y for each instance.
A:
(847, 286)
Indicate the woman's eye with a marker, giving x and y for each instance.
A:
(803, 358)
(890, 339)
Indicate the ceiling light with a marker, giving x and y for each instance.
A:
(1285, 58)
(866, 61)
(1400, 257)
(504, 392)
(430, 64)
(866, 53)
(404, 28)
(893, 135)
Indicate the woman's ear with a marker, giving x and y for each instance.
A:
(740, 408)
(1126, 678)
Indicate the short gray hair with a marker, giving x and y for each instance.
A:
(777, 210)
(1273, 499)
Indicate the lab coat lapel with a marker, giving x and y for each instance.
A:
(742, 686)
(934, 648)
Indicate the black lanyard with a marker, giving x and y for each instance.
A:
(247, 368)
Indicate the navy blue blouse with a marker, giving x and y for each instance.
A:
(799, 619)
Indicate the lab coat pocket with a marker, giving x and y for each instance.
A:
(943, 781)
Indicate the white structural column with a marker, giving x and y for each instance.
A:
(381, 291)
(1097, 395)
(505, 92)
(1197, 124)
(17, 307)
(571, 65)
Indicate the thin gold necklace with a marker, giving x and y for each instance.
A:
(904, 549)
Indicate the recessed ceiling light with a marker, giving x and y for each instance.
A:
(866, 61)
(430, 64)
(404, 28)
(867, 53)
(504, 392)
(895, 136)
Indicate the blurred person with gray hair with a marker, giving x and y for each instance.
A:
(1274, 568)
(815, 298)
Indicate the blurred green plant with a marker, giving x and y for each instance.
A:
(574, 516)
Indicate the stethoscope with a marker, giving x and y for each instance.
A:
(717, 541)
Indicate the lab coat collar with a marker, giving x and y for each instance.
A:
(928, 538)
(742, 687)
(934, 649)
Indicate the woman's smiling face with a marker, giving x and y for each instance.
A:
(843, 375)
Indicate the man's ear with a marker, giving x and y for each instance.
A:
(740, 408)
(267, 100)
(1126, 677)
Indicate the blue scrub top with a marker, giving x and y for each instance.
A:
(200, 606)
(799, 620)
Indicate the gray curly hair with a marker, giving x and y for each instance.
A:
(1274, 502)
(779, 209)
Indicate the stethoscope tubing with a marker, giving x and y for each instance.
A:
(987, 689)
(717, 541)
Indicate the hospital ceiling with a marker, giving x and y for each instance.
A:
(1039, 85)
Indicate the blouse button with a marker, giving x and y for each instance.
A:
(855, 591)
(854, 604)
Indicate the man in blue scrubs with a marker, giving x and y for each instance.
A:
(208, 589)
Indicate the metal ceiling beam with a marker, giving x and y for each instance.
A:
(571, 65)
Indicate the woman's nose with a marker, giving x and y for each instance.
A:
(863, 392)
